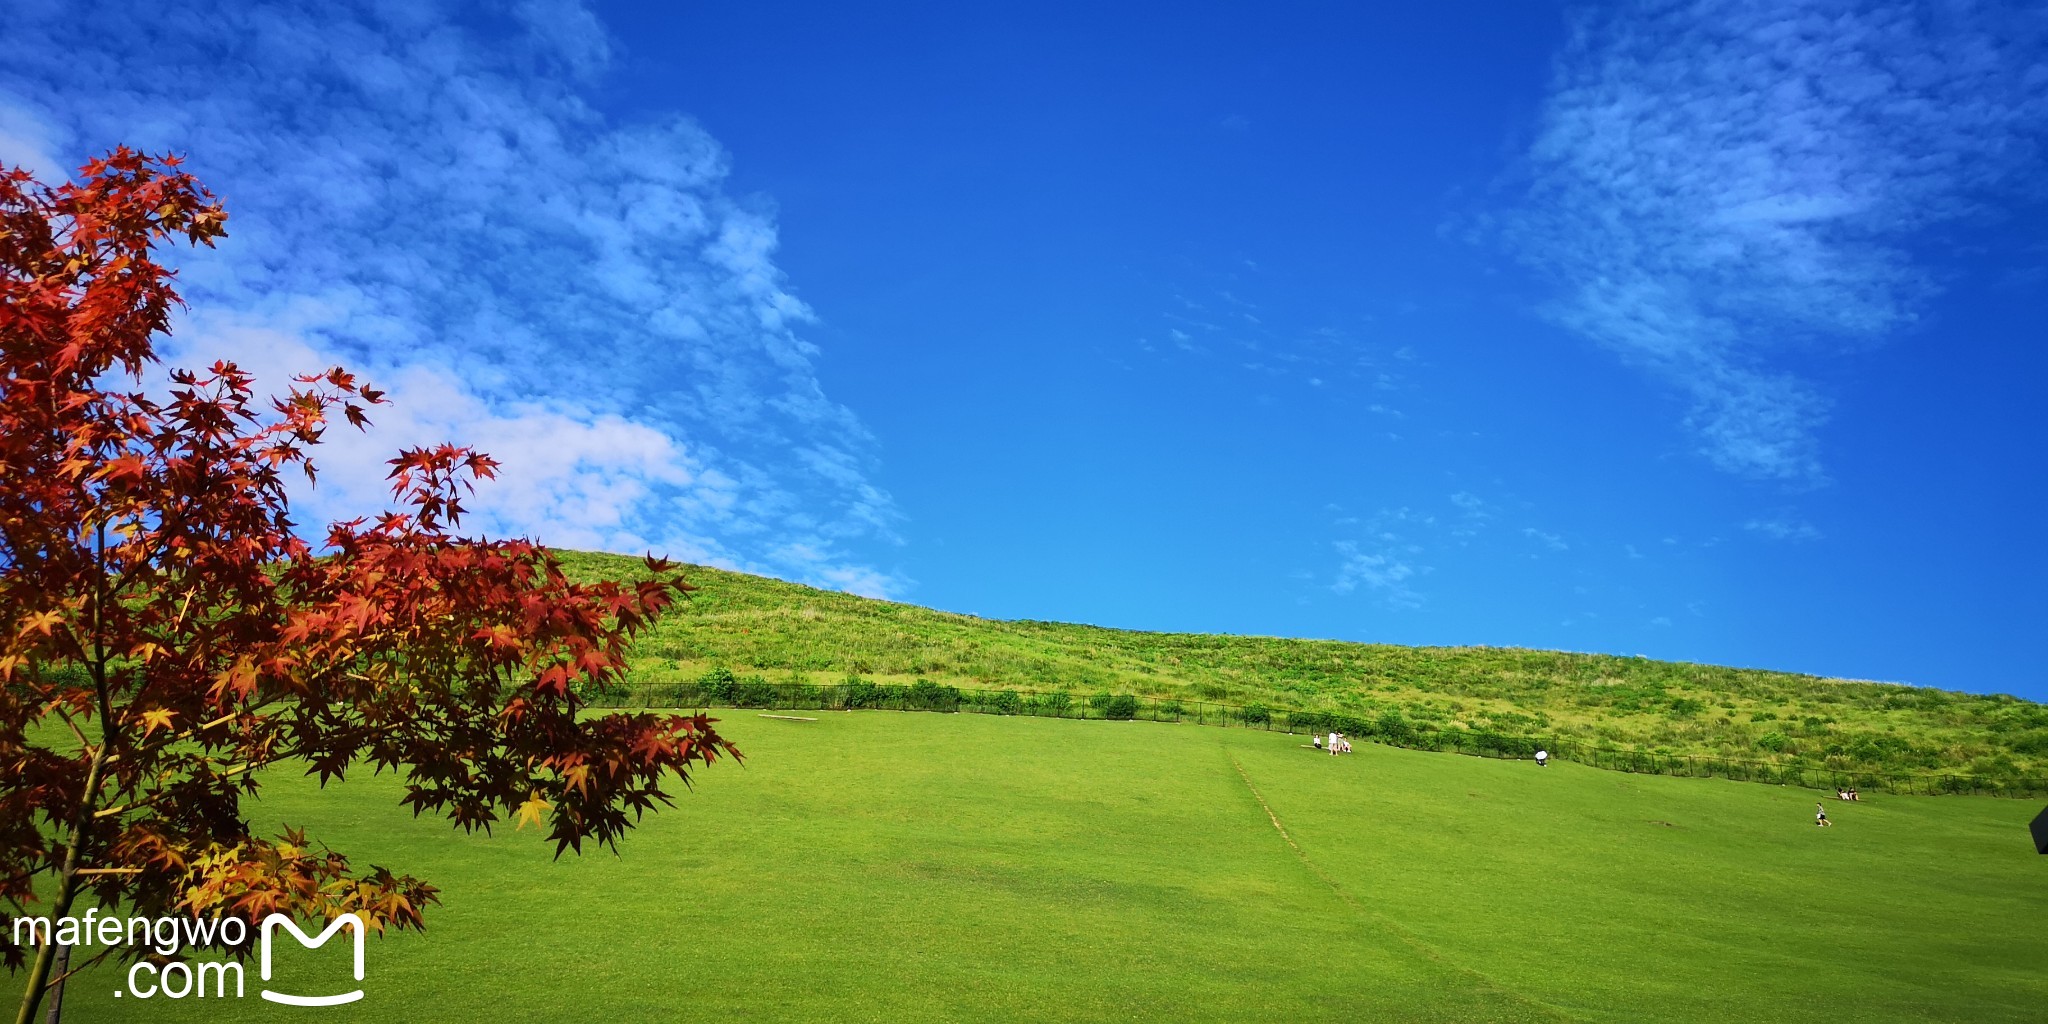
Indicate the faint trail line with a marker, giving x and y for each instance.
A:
(1298, 852)
(1388, 923)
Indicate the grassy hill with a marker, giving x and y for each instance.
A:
(872, 866)
(785, 631)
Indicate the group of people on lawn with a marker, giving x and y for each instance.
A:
(1820, 813)
(1337, 744)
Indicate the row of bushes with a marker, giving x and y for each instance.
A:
(721, 688)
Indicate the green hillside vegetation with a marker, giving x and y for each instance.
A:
(788, 632)
(874, 866)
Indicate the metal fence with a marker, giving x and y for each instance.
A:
(1389, 730)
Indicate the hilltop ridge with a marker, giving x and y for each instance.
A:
(782, 630)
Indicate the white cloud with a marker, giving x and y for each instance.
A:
(1715, 181)
(1474, 514)
(1382, 572)
(1783, 528)
(438, 206)
(1384, 561)
(31, 143)
(1548, 540)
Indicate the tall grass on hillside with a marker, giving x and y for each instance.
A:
(792, 633)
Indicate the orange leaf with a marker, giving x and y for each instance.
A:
(530, 812)
(154, 719)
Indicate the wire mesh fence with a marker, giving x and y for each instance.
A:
(1389, 729)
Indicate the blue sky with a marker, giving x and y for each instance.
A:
(1699, 331)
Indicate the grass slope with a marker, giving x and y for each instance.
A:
(875, 866)
(751, 623)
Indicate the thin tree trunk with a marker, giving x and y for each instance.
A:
(56, 1014)
(67, 891)
(88, 802)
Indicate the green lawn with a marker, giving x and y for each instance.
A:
(878, 866)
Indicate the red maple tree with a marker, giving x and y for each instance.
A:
(167, 633)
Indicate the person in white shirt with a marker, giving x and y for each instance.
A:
(1542, 758)
(1333, 741)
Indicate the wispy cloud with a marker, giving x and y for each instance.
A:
(1219, 331)
(1383, 572)
(1473, 515)
(1548, 540)
(1713, 182)
(439, 206)
(1783, 528)
(1383, 558)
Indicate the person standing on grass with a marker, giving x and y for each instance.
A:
(1820, 816)
(1333, 743)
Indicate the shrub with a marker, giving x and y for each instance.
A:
(1100, 702)
(859, 693)
(1006, 702)
(2035, 742)
(1170, 706)
(1121, 708)
(716, 686)
(1393, 727)
(1257, 714)
(754, 692)
(672, 695)
(1056, 702)
(1349, 725)
(929, 696)
(1496, 743)
(1773, 741)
